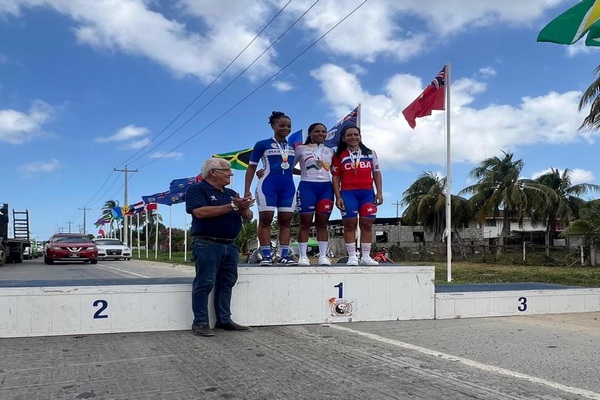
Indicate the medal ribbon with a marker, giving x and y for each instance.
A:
(282, 150)
(355, 159)
(317, 151)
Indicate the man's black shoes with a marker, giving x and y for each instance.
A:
(232, 326)
(202, 330)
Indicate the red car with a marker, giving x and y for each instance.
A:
(70, 247)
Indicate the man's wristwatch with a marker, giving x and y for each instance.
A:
(235, 208)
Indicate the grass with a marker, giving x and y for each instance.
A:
(466, 272)
(472, 272)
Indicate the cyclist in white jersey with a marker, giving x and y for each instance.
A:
(315, 191)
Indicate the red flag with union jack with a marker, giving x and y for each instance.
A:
(432, 98)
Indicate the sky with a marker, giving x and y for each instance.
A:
(89, 88)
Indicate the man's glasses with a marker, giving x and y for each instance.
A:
(222, 169)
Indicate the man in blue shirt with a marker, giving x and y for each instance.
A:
(217, 214)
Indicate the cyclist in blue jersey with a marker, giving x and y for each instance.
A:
(275, 190)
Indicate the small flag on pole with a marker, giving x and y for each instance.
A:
(238, 159)
(333, 135)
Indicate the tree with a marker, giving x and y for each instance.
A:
(499, 189)
(150, 225)
(591, 96)
(426, 205)
(587, 226)
(107, 209)
(567, 202)
(247, 233)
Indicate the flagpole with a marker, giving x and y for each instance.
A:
(170, 224)
(130, 238)
(184, 235)
(448, 179)
(138, 233)
(147, 228)
(156, 243)
(357, 237)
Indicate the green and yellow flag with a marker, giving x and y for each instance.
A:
(238, 159)
(573, 24)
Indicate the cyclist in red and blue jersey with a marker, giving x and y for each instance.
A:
(355, 170)
(275, 189)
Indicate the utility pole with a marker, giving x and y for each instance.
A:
(84, 222)
(397, 204)
(69, 222)
(126, 217)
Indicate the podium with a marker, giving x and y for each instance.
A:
(262, 296)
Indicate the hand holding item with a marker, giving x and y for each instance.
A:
(243, 203)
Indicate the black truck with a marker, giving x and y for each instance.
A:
(12, 249)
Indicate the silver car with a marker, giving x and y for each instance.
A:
(114, 249)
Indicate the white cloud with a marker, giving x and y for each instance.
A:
(202, 37)
(133, 27)
(126, 133)
(487, 72)
(136, 145)
(40, 167)
(18, 127)
(283, 86)
(405, 29)
(577, 175)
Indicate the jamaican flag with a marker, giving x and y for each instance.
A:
(238, 159)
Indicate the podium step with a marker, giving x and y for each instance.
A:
(262, 296)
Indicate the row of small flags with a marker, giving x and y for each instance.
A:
(175, 194)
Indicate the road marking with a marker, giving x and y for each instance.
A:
(123, 271)
(484, 367)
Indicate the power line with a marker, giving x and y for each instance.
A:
(229, 84)
(202, 92)
(259, 87)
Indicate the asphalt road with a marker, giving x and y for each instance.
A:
(36, 270)
(526, 357)
(545, 357)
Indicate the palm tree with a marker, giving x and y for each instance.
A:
(107, 209)
(150, 222)
(567, 201)
(247, 233)
(499, 189)
(591, 96)
(425, 202)
(587, 226)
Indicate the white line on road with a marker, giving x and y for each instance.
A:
(122, 270)
(484, 367)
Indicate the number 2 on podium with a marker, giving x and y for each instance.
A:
(103, 304)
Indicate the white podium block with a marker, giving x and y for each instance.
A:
(262, 296)
(515, 302)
